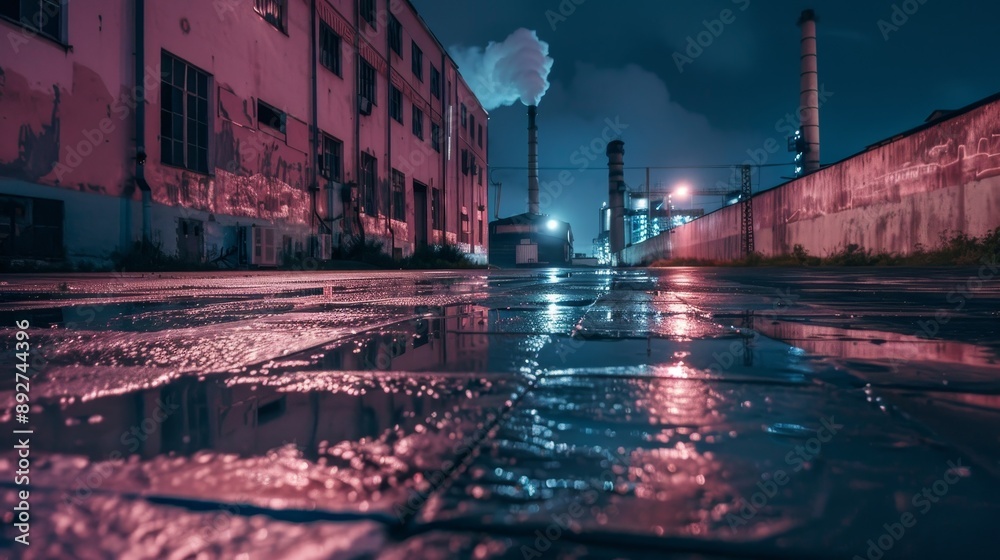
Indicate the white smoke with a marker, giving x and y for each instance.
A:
(503, 73)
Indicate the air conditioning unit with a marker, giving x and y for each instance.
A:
(263, 246)
(364, 105)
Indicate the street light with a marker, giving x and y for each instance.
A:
(553, 225)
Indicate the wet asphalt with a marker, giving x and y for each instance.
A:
(671, 413)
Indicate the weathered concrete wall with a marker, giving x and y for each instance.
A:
(893, 198)
(67, 122)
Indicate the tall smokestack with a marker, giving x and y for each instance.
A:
(616, 195)
(532, 161)
(809, 101)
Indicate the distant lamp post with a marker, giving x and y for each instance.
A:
(553, 225)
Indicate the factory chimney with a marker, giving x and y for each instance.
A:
(809, 101)
(616, 196)
(532, 161)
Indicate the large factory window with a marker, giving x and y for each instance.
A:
(395, 104)
(366, 81)
(435, 82)
(44, 16)
(472, 126)
(329, 48)
(465, 162)
(436, 137)
(183, 114)
(331, 160)
(465, 116)
(369, 183)
(417, 61)
(273, 12)
(418, 122)
(395, 35)
(437, 217)
(367, 9)
(398, 196)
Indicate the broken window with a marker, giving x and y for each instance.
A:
(270, 117)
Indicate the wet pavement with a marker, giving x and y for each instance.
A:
(674, 413)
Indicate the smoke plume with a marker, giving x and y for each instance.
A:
(503, 73)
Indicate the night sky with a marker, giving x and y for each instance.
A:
(614, 61)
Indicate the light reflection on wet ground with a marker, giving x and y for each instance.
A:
(440, 415)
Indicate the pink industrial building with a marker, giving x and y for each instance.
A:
(248, 131)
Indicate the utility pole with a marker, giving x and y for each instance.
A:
(746, 200)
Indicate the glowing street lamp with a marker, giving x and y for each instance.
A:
(553, 225)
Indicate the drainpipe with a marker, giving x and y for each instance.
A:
(388, 137)
(314, 176)
(140, 122)
(357, 115)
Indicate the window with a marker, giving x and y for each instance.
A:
(331, 159)
(418, 122)
(369, 183)
(437, 216)
(417, 61)
(479, 175)
(183, 114)
(465, 162)
(436, 137)
(367, 9)
(273, 12)
(329, 48)
(398, 196)
(435, 82)
(366, 80)
(480, 136)
(396, 104)
(395, 35)
(472, 127)
(465, 116)
(270, 117)
(44, 16)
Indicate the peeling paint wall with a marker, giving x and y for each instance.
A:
(67, 122)
(893, 198)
